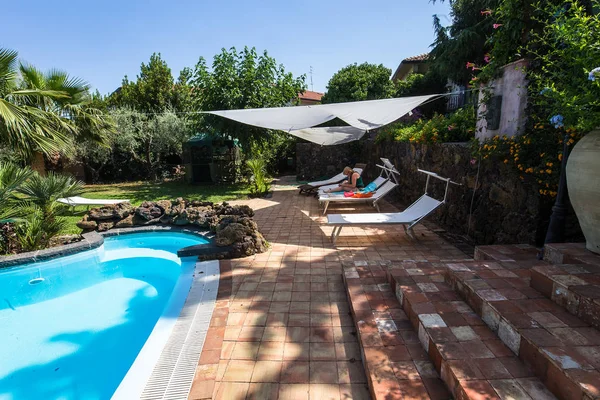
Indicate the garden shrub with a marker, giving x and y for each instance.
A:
(456, 127)
(260, 183)
(560, 43)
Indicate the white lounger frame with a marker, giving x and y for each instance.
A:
(82, 201)
(388, 171)
(380, 193)
(428, 203)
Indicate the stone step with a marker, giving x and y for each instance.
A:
(576, 287)
(471, 360)
(570, 253)
(562, 350)
(512, 252)
(395, 364)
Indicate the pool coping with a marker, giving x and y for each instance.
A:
(174, 365)
(92, 240)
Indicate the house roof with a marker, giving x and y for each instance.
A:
(309, 95)
(418, 58)
(410, 60)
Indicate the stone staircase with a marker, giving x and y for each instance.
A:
(504, 325)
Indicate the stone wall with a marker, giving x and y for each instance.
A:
(505, 208)
(315, 162)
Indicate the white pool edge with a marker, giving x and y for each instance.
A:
(166, 365)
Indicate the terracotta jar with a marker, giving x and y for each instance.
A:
(583, 181)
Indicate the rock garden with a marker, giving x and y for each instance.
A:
(233, 227)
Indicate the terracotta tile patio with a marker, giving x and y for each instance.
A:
(282, 320)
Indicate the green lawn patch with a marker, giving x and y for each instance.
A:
(138, 192)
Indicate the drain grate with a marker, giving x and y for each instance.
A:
(174, 372)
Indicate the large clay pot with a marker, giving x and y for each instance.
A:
(583, 181)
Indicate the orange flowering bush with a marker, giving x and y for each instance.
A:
(537, 154)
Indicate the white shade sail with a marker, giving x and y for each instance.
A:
(300, 121)
(329, 136)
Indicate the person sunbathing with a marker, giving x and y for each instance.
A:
(353, 183)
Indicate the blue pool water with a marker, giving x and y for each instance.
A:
(70, 328)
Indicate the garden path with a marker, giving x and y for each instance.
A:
(281, 328)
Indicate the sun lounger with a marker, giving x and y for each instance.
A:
(82, 201)
(421, 208)
(380, 180)
(338, 197)
(312, 187)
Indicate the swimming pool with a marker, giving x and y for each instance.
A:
(81, 326)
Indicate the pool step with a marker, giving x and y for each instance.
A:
(395, 364)
(562, 350)
(471, 359)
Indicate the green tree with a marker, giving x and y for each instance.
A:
(242, 80)
(145, 140)
(464, 41)
(359, 82)
(154, 89)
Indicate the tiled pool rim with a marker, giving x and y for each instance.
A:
(173, 372)
(92, 240)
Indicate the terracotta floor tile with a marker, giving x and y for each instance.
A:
(255, 319)
(251, 334)
(347, 351)
(266, 371)
(231, 390)
(295, 372)
(480, 390)
(298, 334)
(245, 351)
(324, 392)
(296, 351)
(405, 370)
(321, 334)
(236, 319)
(294, 391)
(320, 351)
(302, 320)
(355, 392)
(272, 351)
(263, 391)
(277, 319)
(323, 372)
(238, 371)
(274, 334)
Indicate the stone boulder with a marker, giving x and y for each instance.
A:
(111, 212)
(149, 210)
(232, 233)
(236, 232)
(86, 225)
(126, 222)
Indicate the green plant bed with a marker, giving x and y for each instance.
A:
(138, 192)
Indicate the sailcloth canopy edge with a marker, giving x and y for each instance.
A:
(300, 121)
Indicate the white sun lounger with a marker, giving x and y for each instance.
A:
(380, 180)
(421, 208)
(311, 187)
(340, 198)
(82, 201)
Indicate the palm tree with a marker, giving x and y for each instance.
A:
(90, 123)
(23, 126)
(45, 112)
(11, 178)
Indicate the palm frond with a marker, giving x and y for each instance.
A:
(27, 128)
(43, 191)
(8, 72)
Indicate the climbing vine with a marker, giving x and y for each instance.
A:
(561, 44)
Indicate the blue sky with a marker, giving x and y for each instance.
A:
(101, 41)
